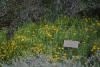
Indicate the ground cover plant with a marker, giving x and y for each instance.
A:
(47, 38)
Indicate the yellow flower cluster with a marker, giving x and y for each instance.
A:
(7, 50)
(48, 34)
(58, 54)
(64, 57)
(13, 45)
(53, 58)
(22, 38)
(38, 49)
(48, 30)
(95, 48)
(56, 57)
(54, 29)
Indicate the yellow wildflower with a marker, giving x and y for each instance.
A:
(22, 39)
(49, 35)
(65, 54)
(53, 26)
(56, 30)
(56, 55)
(94, 47)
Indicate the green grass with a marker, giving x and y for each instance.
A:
(48, 38)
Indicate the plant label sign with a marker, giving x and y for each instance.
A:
(70, 43)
